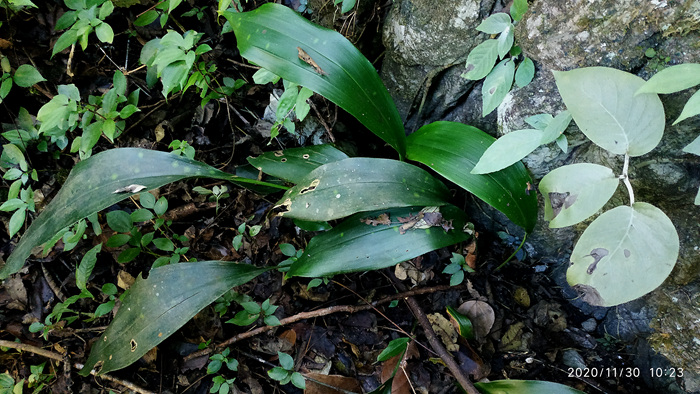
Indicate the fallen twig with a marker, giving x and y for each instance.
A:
(316, 313)
(55, 356)
(462, 379)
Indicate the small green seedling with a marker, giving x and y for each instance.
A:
(456, 269)
(252, 232)
(215, 194)
(252, 311)
(220, 359)
(285, 372)
(38, 380)
(84, 17)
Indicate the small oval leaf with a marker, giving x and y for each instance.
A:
(574, 192)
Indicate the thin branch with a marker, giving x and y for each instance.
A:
(55, 356)
(461, 378)
(316, 313)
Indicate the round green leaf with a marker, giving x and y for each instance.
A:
(119, 221)
(26, 76)
(602, 102)
(141, 215)
(574, 192)
(164, 244)
(507, 150)
(127, 255)
(624, 254)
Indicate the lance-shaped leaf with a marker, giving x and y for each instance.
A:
(370, 241)
(691, 108)
(574, 192)
(270, 35)
(294, 164)
(624, 254)
(672, 79)
(602, 102)
(103, 180)
(507, 150)
(158, 306)
(497, 85)
(453, 149)
(514, 386)
(344, 187)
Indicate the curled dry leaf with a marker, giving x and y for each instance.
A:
(125, 280)
(481, 315)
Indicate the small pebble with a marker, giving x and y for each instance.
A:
(589, 325)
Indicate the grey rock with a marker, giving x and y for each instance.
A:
(589, 325)
(573, 359)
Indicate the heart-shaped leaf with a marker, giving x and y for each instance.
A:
(158, 306)
(574, 192)
(344, 187)
(624, 254)
(373, 240)
(453, 149)
(273, 35)
(602, 101)
(103, 180)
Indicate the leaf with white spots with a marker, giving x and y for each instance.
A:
(344, 187)
(624, 254)
(603, 104)
(90, 188)
(356, 245)
(158, 306)
(294, 164)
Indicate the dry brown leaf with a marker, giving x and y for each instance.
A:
(470, 258)
(338, 381)
(353, 348)
(382, 219)
(481, 315)
(445, 330)
(289, 336)
(125, 280)
(400, 384)
(521, 297)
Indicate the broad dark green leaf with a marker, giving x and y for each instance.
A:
(344, 187)
(158, 306)
(91, 187)
(453, 149)
(355, 245)
(294, 164)
(464, 325)
(512, 386)
(270, 35)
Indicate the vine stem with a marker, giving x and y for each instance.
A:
(626, 179)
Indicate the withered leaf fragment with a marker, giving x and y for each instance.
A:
(381, 219)
(597, 254)
(308, 60)
(129, 189)
(561, 201)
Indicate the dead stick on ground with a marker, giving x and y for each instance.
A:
(55, 356)
(462, 379)
(316, 313)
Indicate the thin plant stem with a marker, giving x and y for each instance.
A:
(513, 254)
